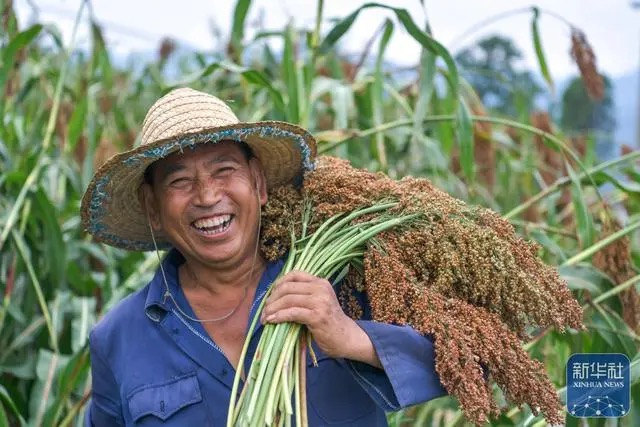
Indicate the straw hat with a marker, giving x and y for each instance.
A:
(111, 210)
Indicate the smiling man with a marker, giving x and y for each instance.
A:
(167, 354)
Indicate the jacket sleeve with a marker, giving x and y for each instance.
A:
(104, 408)
(408, 376)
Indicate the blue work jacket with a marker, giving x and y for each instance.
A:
(151, 366)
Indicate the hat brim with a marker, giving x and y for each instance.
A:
(111, 209)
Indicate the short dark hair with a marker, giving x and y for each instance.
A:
(246, 149)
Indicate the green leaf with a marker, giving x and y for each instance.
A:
(10, 404)
(252, 76)
(69, 380)
(237, 29)
(591, 250)
(377, 100)
(4, 421)
(260, 79)
(26, 336)
(100, 57)
(635, 369)
(79, 281)
(97, 37)
(56, 35)
(83, 320)
(603, 329)
(336, 33)
(20, 41)
(77, 122)
(584, 221)
(44, 393)
(635, 402)
(548, 244)
(290, 76)
(610, 326)
(626, 186)
(74, 371)
(25, 370)
(428, 42)
(52, 240)
(341, 95)
(464, 130)
(537, 44)
(422, 107)
(425, 92)
(570, 421)
(425, 40)
(585, 277)
(26, 257)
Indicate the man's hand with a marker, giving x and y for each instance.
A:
(302, 298)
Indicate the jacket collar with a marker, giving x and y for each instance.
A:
(157, 304)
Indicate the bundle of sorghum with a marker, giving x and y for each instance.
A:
(275, 377)
(460, 274)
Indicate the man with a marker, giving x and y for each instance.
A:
(168, 353)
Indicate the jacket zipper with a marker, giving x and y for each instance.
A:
(206, 339)
(192, 329)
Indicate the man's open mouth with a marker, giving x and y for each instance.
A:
(214, 225)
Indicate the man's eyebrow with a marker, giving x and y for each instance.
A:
(169, 169)
(223, 158)
(172, 168)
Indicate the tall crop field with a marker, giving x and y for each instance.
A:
(65, 110)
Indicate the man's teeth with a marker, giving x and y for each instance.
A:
(211, 222)
(214, 225)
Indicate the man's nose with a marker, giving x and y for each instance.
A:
(207, 192)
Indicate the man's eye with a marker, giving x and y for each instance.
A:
(181, 182)
(225, 170)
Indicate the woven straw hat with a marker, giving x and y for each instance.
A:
(111, 210)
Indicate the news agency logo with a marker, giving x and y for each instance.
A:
(598, 385)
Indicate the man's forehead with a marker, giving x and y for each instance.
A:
(224, 150)
(214, 153)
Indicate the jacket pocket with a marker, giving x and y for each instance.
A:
(176, 401)
(335, 395)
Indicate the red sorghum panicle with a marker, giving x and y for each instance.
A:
(284, 209)
(459, 274)
(583, 55)
(468, 340)
(615, 261)
(166, 48)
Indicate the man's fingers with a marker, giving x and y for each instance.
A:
(298, 276)
(292, 314)
(287, 301)
(292, 287)
(298, 291)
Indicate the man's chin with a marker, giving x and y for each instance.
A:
(218, 255)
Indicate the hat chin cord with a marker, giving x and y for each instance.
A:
(169, 295)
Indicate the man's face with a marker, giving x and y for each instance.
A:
(206, 201)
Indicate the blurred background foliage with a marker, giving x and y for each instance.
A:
(472, 121)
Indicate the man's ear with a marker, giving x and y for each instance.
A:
(149, 204)
(259, 180)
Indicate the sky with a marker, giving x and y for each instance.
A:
(611, 26)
